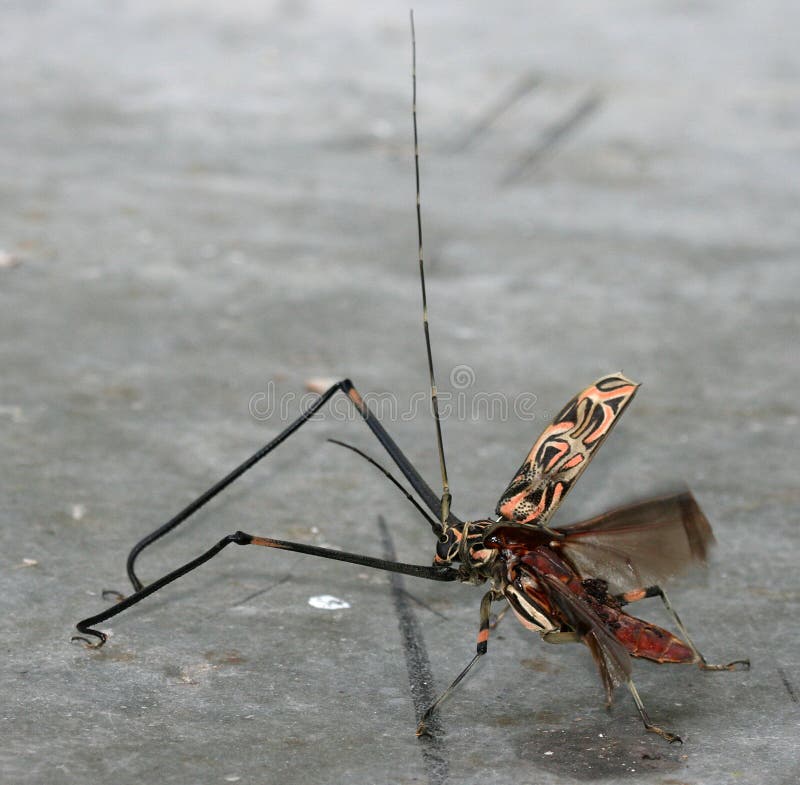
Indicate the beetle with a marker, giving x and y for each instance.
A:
(569, 583)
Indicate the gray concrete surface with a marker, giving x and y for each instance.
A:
(204, 202)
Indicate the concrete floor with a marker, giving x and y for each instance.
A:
(202, 209)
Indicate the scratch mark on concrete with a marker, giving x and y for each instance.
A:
(266, 589)
(420, 677)
(553, 135)
(424, 605)
(527, 84)
(788, 685)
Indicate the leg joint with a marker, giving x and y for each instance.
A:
(240, 538)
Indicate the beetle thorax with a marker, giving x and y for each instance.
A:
(464, 543)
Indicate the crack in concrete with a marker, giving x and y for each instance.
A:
(420, 677)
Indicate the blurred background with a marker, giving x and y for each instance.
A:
(206, 207)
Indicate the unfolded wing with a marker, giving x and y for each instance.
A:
(563, 451)
(640, 544)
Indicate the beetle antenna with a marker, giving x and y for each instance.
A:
(446, 495)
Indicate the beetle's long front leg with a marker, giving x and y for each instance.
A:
(657, 591)
(483, 645)
(85, 627)
(425, 492)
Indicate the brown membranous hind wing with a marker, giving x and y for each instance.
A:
(640, 544)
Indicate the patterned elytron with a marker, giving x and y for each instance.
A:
(563, 451)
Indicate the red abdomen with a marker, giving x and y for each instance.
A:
(642, 639)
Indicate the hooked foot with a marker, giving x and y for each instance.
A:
(672, 738)
(731, 666)
(101, 638)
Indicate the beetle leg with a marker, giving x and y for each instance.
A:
(85, 626)
(431, 500)
(495, 619)
(665, 734)
(561, 636)
(483, 644)
(657, 591)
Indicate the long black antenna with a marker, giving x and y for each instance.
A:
(446, 496)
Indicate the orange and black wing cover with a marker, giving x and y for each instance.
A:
(563, 451)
